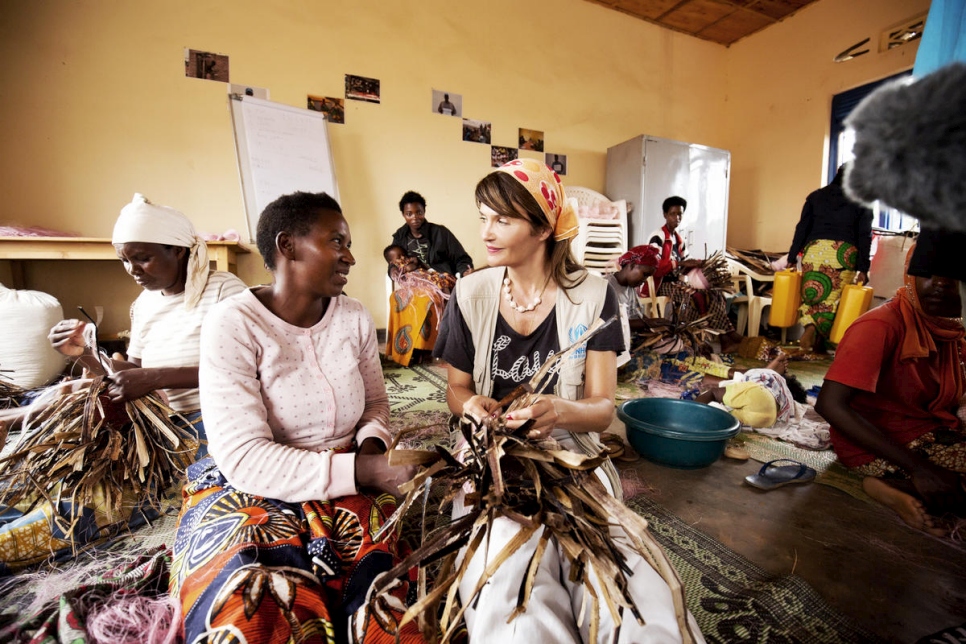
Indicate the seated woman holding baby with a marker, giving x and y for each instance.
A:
(424, 260)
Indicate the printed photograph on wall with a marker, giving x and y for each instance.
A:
(333, 108)
(557, 162)
(476, 131)
(360, 88)
(500, 155)
(249, 90)
(531, 140)
(205, 65)
(447, 103)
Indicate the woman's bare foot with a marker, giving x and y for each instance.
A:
(909, 508)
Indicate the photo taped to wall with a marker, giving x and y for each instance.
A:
(205, 65)
(333, 108)
(447, 103)
(531, 140)
(360, 88)
(476, 131)
(557, 162)
(500, 155)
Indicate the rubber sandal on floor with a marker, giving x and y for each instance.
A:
(613, 444)
(771, 475)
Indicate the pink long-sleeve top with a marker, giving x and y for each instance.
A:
(277, 399)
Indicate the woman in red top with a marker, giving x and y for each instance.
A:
(891, 397)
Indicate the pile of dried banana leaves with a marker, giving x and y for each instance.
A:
(548, 490)
(755, 259)
(80, 447)
(718, 273)
(10, 393)
(672, 334)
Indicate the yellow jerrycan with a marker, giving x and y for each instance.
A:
(855, 301)
(786, 297)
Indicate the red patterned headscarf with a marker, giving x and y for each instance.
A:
(644, 255)
(544, 184)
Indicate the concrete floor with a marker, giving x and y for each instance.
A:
(888, 578)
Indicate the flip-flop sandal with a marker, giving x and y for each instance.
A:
(737, 453)
(613, 444)
(771, 475)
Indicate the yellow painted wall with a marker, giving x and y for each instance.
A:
(96, 107)
(781, 83)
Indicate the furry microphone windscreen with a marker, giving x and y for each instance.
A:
(910, 148)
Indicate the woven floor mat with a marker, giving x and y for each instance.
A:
(735, 601)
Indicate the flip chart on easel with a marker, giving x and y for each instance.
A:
(280, 149)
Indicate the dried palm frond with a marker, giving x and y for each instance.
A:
(757, 260)
(672, 331)
(717, 273)
(550, 491)
(10, 394)
(81, 446)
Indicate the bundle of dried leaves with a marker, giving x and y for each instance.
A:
(718, 273)
(757, 260)
(674, 333)
(82, 444)
(548, 490)
(10, 394)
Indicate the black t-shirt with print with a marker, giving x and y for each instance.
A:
(517, 358)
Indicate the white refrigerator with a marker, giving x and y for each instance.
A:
(646, 170)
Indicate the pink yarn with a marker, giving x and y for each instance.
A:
(135, 619)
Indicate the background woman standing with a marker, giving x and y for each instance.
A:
(834, 236)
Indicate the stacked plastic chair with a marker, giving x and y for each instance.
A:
(598, 240)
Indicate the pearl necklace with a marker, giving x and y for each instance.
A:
(508, 296)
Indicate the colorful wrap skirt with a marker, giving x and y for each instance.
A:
(827, 266)
(943, 446)
(413, 324)
(252, 569)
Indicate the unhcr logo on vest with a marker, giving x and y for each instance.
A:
(575, 333)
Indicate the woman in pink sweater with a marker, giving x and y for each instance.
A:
(275, 539)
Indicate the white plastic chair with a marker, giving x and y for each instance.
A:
(598, 241)
(653, 304)
(750, 305)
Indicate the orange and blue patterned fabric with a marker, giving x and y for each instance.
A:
(249, 568)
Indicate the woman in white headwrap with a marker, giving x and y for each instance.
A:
(162, 252)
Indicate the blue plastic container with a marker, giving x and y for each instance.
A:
(677, 433)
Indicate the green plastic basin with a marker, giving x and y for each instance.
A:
(677, 433)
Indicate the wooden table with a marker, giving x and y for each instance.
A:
(20, 249)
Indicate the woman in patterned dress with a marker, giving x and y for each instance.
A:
(276, 540)
(834, 236)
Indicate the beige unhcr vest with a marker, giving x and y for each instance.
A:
(478, 295)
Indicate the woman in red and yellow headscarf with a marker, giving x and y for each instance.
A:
(500, 326)
(891, 398)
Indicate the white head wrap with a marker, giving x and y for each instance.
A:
(142, 221)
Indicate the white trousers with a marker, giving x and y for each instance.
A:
(555, 602)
